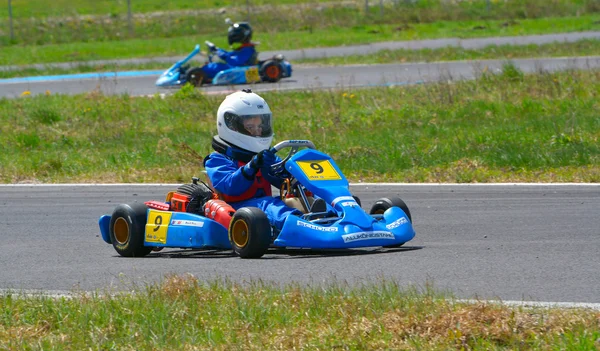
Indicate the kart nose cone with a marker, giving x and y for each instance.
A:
(162, 81)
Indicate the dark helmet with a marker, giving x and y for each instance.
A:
(239, 33)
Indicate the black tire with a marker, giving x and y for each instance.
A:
(187, 189)
(357, 199)
(270, 71)
(195, 76)
(127, 230)
(381, 205)
(250, 232)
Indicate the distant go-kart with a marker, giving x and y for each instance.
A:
(271, 70)
(309, 175)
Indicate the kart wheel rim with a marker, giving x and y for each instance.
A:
(272, 72)
(381, 211)
(121, 229)
(239, 233)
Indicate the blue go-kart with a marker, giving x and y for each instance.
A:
(311, 177)
(271, 70)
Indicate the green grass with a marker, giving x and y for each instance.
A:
(182, 313)
(73, 39)
(512, 127)
(335, 36)
(44, 8)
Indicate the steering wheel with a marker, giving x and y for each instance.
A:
(278, 168)
(212, 49)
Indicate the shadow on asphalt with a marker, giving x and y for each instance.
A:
(281, 253)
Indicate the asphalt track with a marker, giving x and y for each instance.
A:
(314, 77)
(508, 242)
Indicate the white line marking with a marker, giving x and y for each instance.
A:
(538, 304)
(57, 294)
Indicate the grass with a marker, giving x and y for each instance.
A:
(182, 313)
(333, 36)
(511, 127)
(43, 40)
(62, 8)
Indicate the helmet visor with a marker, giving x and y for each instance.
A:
(253, 125)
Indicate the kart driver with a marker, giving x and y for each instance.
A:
(239, 166)
(243, 53)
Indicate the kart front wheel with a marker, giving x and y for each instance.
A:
(250, 232)
(195, 76)
(127, 230)
(270, 71)
(381, 205)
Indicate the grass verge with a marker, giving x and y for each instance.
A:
(181, 313)
(280, 30)
(500, 128)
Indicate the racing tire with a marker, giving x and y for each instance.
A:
(250, 232)
(195, 76)
(270, 71)
(381, 205)
(357, 199)
(127, 230)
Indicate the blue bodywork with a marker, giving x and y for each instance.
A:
(346, 225)
(185, 230)
(175, 75)
(354, 228)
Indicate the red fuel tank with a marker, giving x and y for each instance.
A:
(219, 211)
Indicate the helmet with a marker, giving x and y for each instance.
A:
(239, 33)
(244, 120)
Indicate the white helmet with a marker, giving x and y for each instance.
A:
(244, 120)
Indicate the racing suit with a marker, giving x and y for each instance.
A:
(236, 58)
(239, 190)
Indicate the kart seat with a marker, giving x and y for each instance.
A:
(254, 59)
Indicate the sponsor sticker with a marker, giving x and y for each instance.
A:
(397, 223)
(349, 203)
(342, 198)
(188, 223)
(316, 227)
(367, 236)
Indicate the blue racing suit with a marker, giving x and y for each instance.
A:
(227, 178)
(236, 58)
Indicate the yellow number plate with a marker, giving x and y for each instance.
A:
(319, 170)
(157, 225)
(252, 75)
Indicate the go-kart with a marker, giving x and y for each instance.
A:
(271, 70)
(310, 177)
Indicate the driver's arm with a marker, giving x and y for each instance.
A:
(273, 180)
(239, 57)
(223, 55)
(225, 175)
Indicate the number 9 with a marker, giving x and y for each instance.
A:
(157, 222)
(317, 167)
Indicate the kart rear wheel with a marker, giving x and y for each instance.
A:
(250, 232)
(127, 230)
(381, 205)
(270, 71)
(195, 76)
